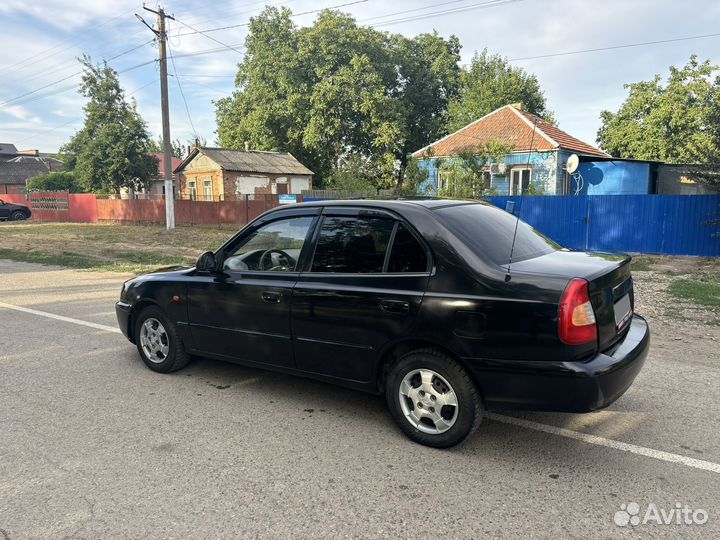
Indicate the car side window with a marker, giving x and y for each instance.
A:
(273, 247)
(407, 254)
(353, 245)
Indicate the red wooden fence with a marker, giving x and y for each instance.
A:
(87, 208)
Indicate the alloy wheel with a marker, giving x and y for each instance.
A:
(428, 401)
(154, 341)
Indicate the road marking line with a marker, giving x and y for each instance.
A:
(609, 443)
(96, 326)
(529, 424)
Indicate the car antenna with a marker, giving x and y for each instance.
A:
(512, 247)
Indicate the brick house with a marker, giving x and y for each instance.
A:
(219, 174)
(18, 166)
(539, 156)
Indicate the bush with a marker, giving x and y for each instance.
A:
(55, 181)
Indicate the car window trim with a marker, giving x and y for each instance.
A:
(242, 235)
(420, 240)
(329, 212)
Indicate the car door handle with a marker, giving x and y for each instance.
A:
(272, 296)
(395, 306)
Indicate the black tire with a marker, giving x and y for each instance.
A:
(176, 358)
(17, 215)
(467, 414)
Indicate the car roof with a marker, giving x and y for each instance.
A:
(391, 204)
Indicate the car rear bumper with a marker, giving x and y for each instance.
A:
(122, 310)
(566, 386)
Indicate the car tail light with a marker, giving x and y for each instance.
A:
(576, 317)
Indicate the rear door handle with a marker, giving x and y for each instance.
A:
(395, 306)
(271, 296)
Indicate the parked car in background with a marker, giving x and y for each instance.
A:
(13, 212)
(411, 299)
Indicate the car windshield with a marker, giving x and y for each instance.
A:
(489, 232)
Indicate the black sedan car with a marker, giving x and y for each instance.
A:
(417, 300)
(13, 212)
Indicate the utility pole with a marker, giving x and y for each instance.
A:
(167, 144)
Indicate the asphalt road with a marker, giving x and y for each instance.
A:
(93, 444)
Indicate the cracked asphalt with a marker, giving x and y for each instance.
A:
(93, 444)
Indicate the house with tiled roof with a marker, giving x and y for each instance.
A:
(539, 153)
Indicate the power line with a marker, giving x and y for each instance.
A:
(17, 98)
(60, 126)
(413, 10)
(293, 15)
(73, 86)
(177, 79)
(613, 47)
(209, 37)
(491, 3)
(44, 52)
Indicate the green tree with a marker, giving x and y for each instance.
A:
(675, 121)
(465, 174)
(178, 150)
(55, 181)
(491, 82)
(111, 150)
(429, 78)
(354, 175)
(413, 177)
(336, 92)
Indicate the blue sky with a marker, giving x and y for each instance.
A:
(41, 40)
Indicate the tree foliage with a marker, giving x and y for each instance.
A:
(465, 174)
(111, 149)
(55, 181)
(675, 121)
(336, 94)
(491, 82)
(178, 150)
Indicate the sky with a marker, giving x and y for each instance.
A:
(40, 42)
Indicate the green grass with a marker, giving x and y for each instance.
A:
(641, 263)
(703, 290)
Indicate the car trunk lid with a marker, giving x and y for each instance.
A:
(610, 286)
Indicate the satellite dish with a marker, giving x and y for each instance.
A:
(572, 164)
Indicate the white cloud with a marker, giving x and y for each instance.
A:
(45, 38)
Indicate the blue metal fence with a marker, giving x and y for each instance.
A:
(662, 224)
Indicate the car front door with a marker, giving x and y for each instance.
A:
(360, 291)
(4, 210)
(242, 312)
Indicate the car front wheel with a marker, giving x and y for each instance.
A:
(157, 341)
(17, 216)
(433, 399)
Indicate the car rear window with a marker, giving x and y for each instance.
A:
(489, 232)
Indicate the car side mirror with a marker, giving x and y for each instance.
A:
(206, 262)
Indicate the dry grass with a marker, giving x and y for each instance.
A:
(108, 246)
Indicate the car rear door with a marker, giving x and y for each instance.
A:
(361, 290)
(243, 311)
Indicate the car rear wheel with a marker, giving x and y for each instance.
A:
(433, 399)
(17, 215)
(158, 343)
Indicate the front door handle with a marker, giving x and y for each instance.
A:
(395, 306)
(272, 296)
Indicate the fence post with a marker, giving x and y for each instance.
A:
(247, 209)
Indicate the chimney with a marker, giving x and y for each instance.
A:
(518, 106)
(247, 146)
